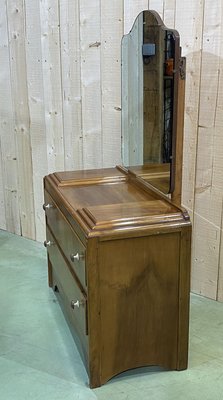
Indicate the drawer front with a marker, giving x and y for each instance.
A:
(66, 238)
(74, 301)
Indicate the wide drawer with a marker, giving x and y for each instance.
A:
(66, 238)
(74, 300)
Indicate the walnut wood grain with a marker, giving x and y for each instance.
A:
(177, 193)
(137, 266)
(133, 283)
(158, 175)
(66, 239)
(139, 305)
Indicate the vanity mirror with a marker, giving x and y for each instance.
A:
(151, 64)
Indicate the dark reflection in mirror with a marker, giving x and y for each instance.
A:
(150, 57)
(168, 98)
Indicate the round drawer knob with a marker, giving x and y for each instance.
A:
(76, 304)
(47, 206)
(76, 257)
(48, 244)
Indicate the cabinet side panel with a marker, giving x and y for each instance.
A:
(139, 302)
(184, 298)
(93, 314)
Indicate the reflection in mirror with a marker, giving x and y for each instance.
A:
(150, 57)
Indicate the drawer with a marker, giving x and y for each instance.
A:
(73, 299)
(66, 238)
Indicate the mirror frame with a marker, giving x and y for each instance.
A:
(178, 108)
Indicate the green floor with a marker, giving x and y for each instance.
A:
(38, 358)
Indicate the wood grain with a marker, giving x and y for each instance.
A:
(169, 13)
(111, 32)
(136, 295)
(139, 305)
(189, 22)
(51, 67)
(21, 113)
(157, 5)
(36, 105)
(131, 10)
(219, 162)
(9, 196)
(67, 240)
(90, 42)
(208, 183)
(177, 193)
(70, 52)
(57, 84)
(184, 298)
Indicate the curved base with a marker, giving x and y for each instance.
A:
(96, 381)
(143, 306)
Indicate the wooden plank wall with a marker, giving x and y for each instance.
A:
(60, 101)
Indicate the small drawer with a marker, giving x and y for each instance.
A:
(66, 238)
(73, 299)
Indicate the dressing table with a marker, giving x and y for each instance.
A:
(118, 240)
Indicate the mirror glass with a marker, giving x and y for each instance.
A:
(149, 55)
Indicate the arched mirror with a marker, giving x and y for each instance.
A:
(151, 60)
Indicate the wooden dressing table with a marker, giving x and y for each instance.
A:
(119, 258)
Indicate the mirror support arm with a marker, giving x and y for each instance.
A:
(177, 193)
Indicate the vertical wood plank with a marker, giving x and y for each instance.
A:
(158, 6)
(218, 122)
(90, 39)
(208, 184)
(131, 10)
(219, 126)
(210, 64)
(51, 66)
(124, 101)
(111, 34)
(71, 83)
(207, 216)
(220, 262)
(16, 27)
(36, 109)
(2, 197)
(9, 205)
(169, 13)
(4, 68)
(189, 22)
